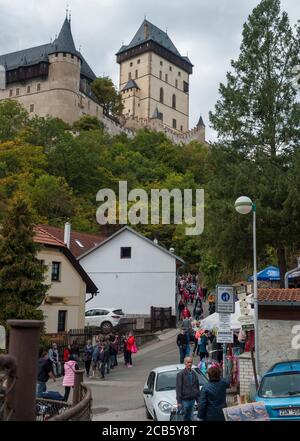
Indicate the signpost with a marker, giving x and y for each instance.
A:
(225, 337)
(225, 299)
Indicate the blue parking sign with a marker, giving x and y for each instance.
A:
(225, 299)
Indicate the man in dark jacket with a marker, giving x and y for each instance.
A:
(187, 389)
(45, 371)
(213, 397)
(182, 343)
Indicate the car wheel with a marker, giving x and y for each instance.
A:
(106, 327)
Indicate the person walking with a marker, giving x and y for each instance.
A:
(54, 358)
(186, 313)
(181, 342)
(45, 371)
(114, 348)
(69, 377)
(187, 389)
(203, 345)
(75, 350)
(130, 349)
(88, 356)
(213, 396)
(180, 308)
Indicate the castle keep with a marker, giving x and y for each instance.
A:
(54, 79)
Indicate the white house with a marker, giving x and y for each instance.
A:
(132, 273)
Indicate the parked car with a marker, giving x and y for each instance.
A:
(279, 390)
(160, 391)
(104, 318)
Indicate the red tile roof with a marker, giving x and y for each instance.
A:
(42, 236)
(276, 295)
(87, 240)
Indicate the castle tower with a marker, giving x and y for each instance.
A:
(160, 76)
(64, 73)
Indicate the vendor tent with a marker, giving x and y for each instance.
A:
(271, 273)
(267, 274)
(212, 321)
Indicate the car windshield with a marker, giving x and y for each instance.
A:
(118, 312)
(167, 380)
(282, 385)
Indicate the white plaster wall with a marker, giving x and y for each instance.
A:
(147, 279)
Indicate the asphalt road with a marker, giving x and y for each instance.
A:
(119, 397)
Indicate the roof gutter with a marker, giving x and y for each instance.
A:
(288, 304)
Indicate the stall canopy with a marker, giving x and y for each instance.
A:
(267, 274)
(212, 321)
(271, 273)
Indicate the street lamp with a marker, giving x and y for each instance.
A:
(244, 205)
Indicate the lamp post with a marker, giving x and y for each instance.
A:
(244, 205)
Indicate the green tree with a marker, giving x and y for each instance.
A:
(87, 122)
(13, 119)
(22, 287)
(258, 123)
(108, 97)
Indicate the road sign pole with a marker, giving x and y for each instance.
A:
(256, 343)
(224, 359)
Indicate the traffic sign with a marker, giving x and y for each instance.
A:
(246, 319)
(224, 322)
(225, 299)
(248, 327)
(225, 337)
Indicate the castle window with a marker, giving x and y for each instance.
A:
(170, 68)
(38, 87)
(176, 84)
(185, 87)
(56, 54)
(161, 63)
(64, 54)
(138, 61)
(181, 128)
(10, 92)
(17, 91)
(174, 123)
(131, 64)
(166, 78)
(174, 101)
(161, 95)
(72, 56)
(31, 109)
(28, 89)
(136, 74)
(160, 74)
(179, 74)
(129, 76)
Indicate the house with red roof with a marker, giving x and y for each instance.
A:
(278, 325)
(64, 304)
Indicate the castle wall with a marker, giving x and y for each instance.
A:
(58, 95)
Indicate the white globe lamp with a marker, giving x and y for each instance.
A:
(243, 205)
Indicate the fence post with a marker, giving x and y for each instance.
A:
(23, 345)
(78, 380)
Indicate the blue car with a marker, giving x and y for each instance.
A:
(279, 390)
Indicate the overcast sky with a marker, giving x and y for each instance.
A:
(209, 31)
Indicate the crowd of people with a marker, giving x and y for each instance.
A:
(98, 359)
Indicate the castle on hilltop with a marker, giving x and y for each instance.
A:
(54, 79)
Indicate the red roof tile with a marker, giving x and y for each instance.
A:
(79, 243)
(42, 236)
(275, 295)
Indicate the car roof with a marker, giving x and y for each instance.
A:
(285, 366)
(170, 367)
(103, 307)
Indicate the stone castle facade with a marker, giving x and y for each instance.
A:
(54, 79)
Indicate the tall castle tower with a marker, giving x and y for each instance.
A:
(154, 79)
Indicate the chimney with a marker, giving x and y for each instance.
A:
(67, 235)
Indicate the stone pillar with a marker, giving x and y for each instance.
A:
(23, 345)
(246, 373)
